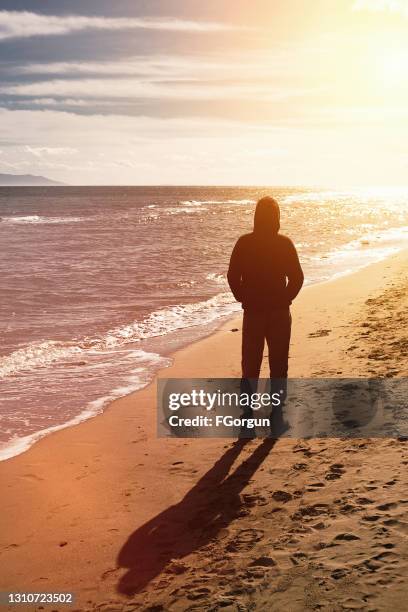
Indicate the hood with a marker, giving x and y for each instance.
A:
(267, 217)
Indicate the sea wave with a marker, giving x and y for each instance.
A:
(220, 279)
(360, 252)
(316, 197)
(204, 202)
(39, 220)
(121, 256)
(395, 237)
(37, 354)
(170, 319)
(172, 210)
(139, 377)
(158, 323)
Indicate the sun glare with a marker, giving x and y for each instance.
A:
(392, 66)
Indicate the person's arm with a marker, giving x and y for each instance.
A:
(294, 273)
(235, 272)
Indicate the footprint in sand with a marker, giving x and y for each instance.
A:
(282, 496)
(339, 573)
(348, 537)
(254, 499)
(335, 471)
(309, 512)
(320, 333)
(319, 525)
(391, 483)
(32, 477)
(345, 506)
(379, 562)
(364, 501)
(314, 486)
(177, 567)
(299, 466)
(264, 561)
(387, 506)
(371, 518)
(245, 540)
(303, 449)
(398, 525)
(298, 557)
(224, 603)
(199, 593)
(387, 545)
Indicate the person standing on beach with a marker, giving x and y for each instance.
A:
(265, 275)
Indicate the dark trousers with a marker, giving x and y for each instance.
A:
(274, 326)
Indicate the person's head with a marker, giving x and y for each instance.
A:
(267, 216)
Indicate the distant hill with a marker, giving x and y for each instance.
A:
(26, 180)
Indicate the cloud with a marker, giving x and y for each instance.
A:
(143, 65)
(126, 84)
(378, 6)
(54, 151)
(118, 149)
(53, 102)
(124, 150)
(49, 128)
(24, 24)
(132, 89)
(153, 67)
(238, 66)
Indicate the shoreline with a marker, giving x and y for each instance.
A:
(98, 493)
(25, 443)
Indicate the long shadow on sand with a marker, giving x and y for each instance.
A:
(209, 506)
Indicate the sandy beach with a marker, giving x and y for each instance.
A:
(127, 521)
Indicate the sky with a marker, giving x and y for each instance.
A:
(221, 92)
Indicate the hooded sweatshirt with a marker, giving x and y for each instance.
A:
(264, 272)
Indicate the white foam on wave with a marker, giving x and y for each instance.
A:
(138, 378)
(316, 197)
(196, 206)
(37, 354)
(158, 323)
(171, 210)
(205, 202)
(220, 279)
(39, 220)
(173, 318)
(368, 248)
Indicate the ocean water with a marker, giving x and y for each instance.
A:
(99, 285)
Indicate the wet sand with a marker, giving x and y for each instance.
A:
(131, 522)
